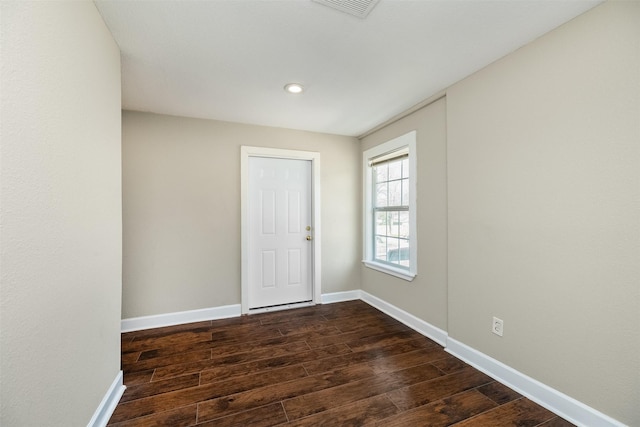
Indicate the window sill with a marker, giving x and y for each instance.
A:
(396, 272)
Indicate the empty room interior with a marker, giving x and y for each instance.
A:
(463, 173)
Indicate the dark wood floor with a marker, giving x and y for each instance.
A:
(335, 364)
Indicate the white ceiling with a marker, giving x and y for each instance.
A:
(230, 59)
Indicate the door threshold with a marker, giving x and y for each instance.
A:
(280, 307)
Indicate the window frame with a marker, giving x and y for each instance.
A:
(403, 142)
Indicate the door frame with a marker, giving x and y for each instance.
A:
(314, 157)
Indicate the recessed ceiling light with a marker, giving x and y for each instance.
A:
(294, 88)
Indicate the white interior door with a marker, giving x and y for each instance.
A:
(279, 220)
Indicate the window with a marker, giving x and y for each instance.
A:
(389, 188)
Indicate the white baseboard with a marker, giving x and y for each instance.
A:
(559, 403)
(213, 313)
(109, 402)
(341, 296)
(419, 325)
(178, 318)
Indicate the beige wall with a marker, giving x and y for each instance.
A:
(181, 213)
(542, 177)
(426, 296)
(544, 209)
(528, 197)
(60, 210)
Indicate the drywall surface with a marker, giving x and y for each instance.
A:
(181, 211)
(425, 296)
(60, 213)
(544, 209)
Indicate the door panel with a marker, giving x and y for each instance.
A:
(279, 214)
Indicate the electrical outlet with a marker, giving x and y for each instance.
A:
(497, 327)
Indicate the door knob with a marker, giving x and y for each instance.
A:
(309, 237)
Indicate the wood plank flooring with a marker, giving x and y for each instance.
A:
(343, 364)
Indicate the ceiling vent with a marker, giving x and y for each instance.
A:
(359, 8)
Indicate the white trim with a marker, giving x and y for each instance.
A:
(554, 400)
(180, 317)
(314, 157)
(408, 140)
(341, 296)
(557, 402)
(109, 402)
(281, 307)
(396, 272)
(419, 325)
